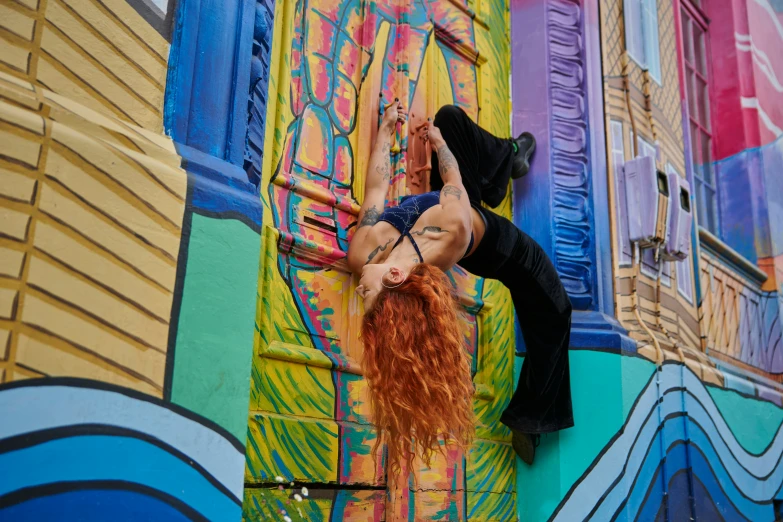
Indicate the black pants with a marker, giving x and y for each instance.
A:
(542, 400)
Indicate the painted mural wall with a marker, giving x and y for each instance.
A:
(660, 434)
(178, 329)
(334, 64)
(126, 310)
(745, 37)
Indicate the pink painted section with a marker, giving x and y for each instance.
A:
(766, 34)
(746, 38)
(731, 75)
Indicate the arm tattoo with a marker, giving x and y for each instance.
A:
(429, 229)
(379, 248)
(371, 216)
(446, 160)
(451, 190)
(384, 167)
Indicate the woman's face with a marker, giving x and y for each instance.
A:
(371, 281)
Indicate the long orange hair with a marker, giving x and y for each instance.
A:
(417, 369)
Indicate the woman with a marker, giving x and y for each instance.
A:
(415, 363)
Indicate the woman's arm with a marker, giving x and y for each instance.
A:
(376, 187)
(453, 196)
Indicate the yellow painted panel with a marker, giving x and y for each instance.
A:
(14, 56)
(4, 337)
(99, 48)
(98, 126)
(7, 302)
(122, 169)
(112, 30)
(5, 77)
(13, 224)
(22, 118)
(16, 186)
(56, 361)
(18, 91)
(307, 449)
(129, 17)
(50, 238)
(163, 141)
(174, 179)
(107, 88)
(307, 303)
(32, 4)
(11, 262)
(99, 196)
(64, 323)
(119, 313)
(49, 75)
(295, 389)
(17, 22)
(20, 148)
(109, 236)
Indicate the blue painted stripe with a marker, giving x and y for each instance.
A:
(100, 457)
(715, 481)
(56, 406)
(94, 505)
(750, 480)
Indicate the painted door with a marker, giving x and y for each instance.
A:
(333, 62)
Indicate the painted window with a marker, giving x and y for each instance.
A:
(695, 38)
(618, 159)
(683, 268)
(641, 35)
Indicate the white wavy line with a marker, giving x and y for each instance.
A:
(756, 488)
(33, 408)
(758, 465)
(745, 44)
(753, 103)
(609, 467)
(746, 470)
(772, 14)
(635, 460)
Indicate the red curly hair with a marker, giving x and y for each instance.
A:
(417, 369)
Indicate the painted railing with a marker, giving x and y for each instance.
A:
(737, 318)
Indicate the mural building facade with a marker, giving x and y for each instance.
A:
(179, 181)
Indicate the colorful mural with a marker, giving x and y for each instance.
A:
(178, 186)
(662, 445)
(335, 64)
(682, 422)
(111, 454)
(126, 295)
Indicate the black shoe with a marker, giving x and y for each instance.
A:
(526, 144)
(525, 445)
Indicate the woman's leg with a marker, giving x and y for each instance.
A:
(485, 161)
(542, 400)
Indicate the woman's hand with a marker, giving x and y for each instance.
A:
(392, 114)
(432, 133)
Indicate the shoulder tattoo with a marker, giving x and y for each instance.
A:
(371, 216)
(451, 190)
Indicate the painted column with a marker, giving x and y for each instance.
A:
(562, 202)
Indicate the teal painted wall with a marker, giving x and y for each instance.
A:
(604, 389)
(217, 317)
(754, 423)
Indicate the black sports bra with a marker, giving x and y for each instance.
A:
(404, 216)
